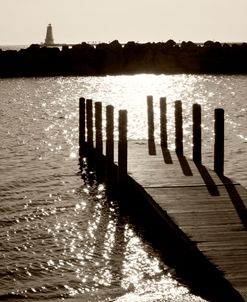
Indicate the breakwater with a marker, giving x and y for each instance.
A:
(131, 58)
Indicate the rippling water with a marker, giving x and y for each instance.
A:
(59, 237)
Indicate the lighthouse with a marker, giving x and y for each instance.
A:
(49, 36)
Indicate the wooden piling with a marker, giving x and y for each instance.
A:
(81, 126)
(150, 112)
(150, 118)
(109, 145)
(178, 128)
(89, 113)
(98, 141)
(163, 122)
(197, 134)
(122, 147)
(219, 141)
(98, 128)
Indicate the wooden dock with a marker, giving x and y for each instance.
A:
(209, 210)
(206, 210)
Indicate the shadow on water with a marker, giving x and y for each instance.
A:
(173, 249)
(109, 221)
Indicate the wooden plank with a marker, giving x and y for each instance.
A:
(208, 209)
(203, 205)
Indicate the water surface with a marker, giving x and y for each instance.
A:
(59, 237)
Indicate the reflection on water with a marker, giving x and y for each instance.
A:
(75, 244)
(59, 237)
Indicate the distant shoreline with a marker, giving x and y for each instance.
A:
(116, 58)
(13, 47)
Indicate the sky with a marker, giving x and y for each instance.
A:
(24, 22)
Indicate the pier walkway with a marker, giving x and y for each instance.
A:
(207, 210)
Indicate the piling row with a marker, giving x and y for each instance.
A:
(91, 118)
(196, 131)
(204, 213)
(91, 141)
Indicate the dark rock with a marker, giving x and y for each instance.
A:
(131, 58)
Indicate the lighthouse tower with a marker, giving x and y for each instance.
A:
(49, 36)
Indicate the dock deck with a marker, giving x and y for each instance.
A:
(210, 210)
(206, 210)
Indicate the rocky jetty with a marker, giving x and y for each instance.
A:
(131, 58)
